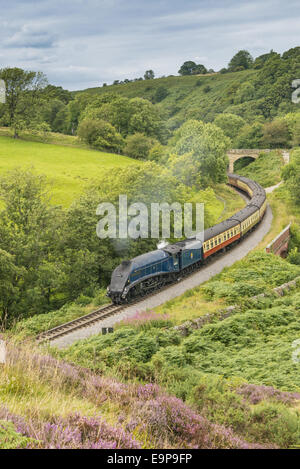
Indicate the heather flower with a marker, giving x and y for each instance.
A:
(142, 318)
(164, 421)
(73, 432)
(257, 393)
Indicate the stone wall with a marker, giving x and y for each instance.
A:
(279, 245)
(198, 323)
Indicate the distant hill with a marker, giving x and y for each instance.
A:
(256, 94)
(188, 97)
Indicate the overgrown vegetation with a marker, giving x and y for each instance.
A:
(256, 93)
(51, 404)
(50, 256)
(266, 169)
(210, 368)
(229, 384)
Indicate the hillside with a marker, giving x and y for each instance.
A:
(188, 96)
(68, 169)
(213, 368)
(256, 95)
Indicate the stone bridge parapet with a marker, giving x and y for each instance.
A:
(279, 245)
(236, 154)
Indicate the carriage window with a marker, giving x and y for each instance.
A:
(220, 240)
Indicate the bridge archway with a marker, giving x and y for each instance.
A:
(246, 160)
(235, 155)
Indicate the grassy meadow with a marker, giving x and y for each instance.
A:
(68, 169)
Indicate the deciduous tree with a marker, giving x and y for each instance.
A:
(23, 95)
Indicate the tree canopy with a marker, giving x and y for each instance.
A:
(242, 60)
(23, 96)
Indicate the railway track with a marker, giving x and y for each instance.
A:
(96, 316)
(79, 323)
(110, 309)
(106, 311)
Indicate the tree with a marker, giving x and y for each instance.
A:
(160, 94)
(296, 134)
(55, 114)
(293, 53)
(100, 134)
(9, 291)
(149, 75)
(57, 92)
(203, 147)
(242, 60)
(30, 235)
(187, 68)
(23, 96)
(291, 176)
(157, 152)
(276, 134)
(145, 118)
(230, 124)
(200, 70)
(191, 68)
(138, 146)
(250, 136)
(260, 61)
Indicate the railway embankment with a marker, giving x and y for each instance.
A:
(225, 313)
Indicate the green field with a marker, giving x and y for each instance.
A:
(68, 169)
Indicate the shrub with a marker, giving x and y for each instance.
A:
(276, 134)
(138, 146)
(100, 134)
(83, 300)
(207, 89)
(160, 94)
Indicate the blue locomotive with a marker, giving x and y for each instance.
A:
(148, 272)
(151, 271)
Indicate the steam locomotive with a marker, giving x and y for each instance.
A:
(149, 272)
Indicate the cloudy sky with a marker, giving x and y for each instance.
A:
(83, 43)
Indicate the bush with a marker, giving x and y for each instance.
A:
(207, 89)
(276, 134)
(11, 439)
(100, 134)
(83, 300)
(138, 146)
(160, 94)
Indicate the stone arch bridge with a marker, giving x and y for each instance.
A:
(235, 155)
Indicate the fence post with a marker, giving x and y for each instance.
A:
(2, 352)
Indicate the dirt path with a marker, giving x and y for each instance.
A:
(286, 159)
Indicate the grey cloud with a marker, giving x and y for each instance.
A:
(82, 43)
(30, 36)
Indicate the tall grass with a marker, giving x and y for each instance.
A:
(143, 415)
